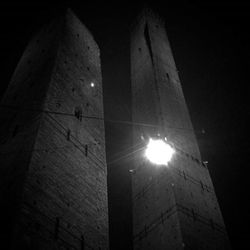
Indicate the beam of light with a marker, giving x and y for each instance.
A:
(159, 152)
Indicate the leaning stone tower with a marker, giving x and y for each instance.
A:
(174, 207)
(53, 176)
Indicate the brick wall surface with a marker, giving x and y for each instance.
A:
(174, 207)
(55, 180)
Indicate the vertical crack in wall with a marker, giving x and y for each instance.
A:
(148, 42)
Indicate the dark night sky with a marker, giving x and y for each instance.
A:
(210, 43)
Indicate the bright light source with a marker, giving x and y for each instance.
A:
(92, 85)
(159, 152)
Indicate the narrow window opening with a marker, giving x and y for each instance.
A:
(86, 150)
(56, 228)
(148, 42)
(78, 113)
(184, 175)
(162, 219)
(139, 49)
(194, 215)
(15, 131)
(167, 75)
(68, 134)
(82, 243)
(202, 186)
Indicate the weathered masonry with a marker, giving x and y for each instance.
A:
(174, 207)
(53, 187)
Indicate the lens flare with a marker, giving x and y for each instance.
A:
(159, 152)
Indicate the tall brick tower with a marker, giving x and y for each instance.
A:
(53, 188)
(174, 207)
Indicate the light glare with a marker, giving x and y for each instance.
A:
(159, 152)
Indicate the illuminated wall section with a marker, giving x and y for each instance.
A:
(53, 166)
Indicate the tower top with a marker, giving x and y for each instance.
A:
(71, 16)
(147, 14)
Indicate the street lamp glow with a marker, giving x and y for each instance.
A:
(159, 152)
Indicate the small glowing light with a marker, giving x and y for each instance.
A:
(92, 85)
(205, 162)
(159, 152)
